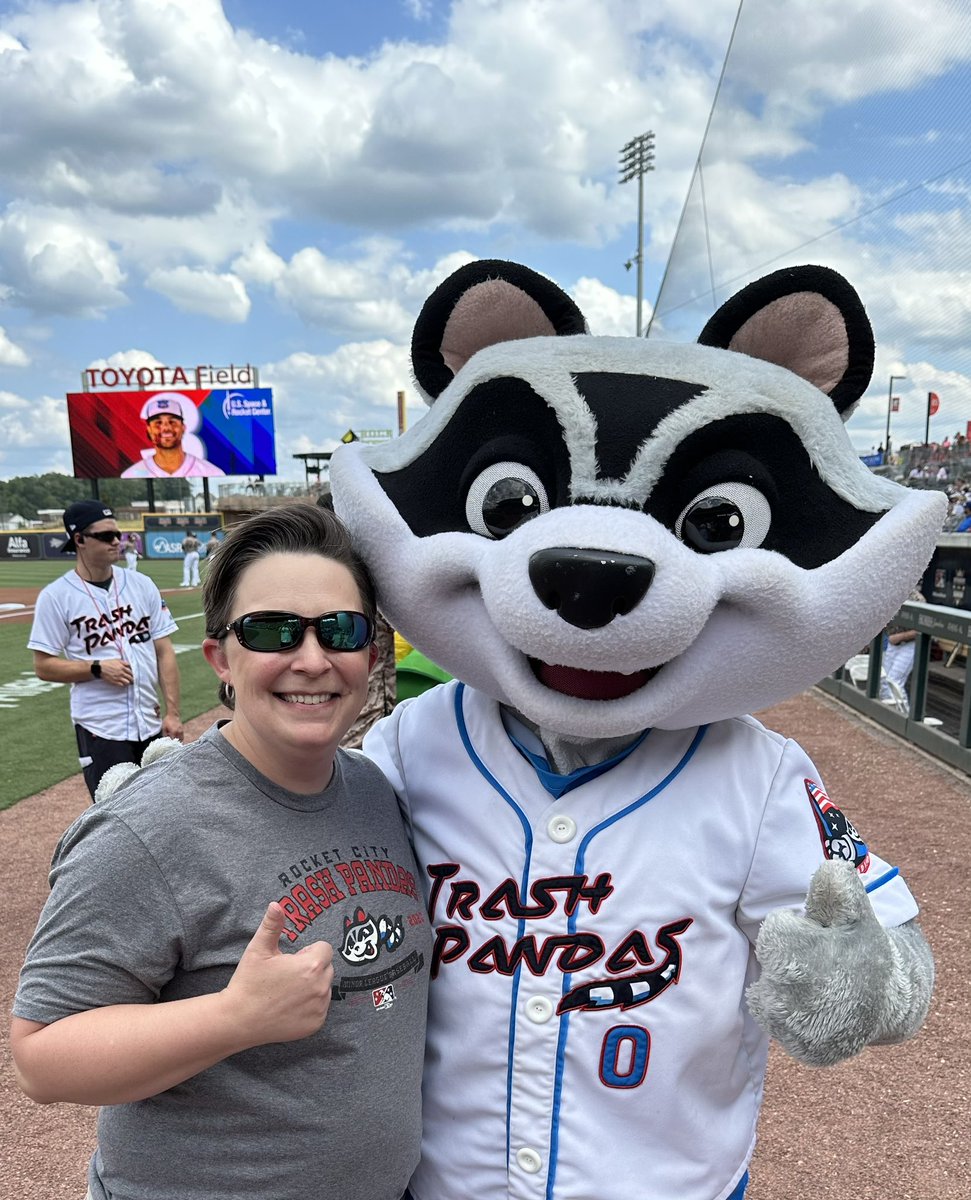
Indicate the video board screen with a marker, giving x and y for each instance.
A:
(191, 433)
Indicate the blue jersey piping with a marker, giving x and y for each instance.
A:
(528, 839)
(884, 878)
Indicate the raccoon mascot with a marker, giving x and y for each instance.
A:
(619, 549)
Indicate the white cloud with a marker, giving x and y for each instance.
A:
(50, 264)
(318, 397)
(608, 313)
(502, 121)
(125, 359)
(342, 296)
(35, 426)
(844, 51)
(372, 290)
(494, 124)
(222, 297)
(11, 355)
(259, 264)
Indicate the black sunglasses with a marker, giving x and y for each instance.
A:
(105, 535)
(269, 632)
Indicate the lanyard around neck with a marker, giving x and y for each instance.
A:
(97, 607)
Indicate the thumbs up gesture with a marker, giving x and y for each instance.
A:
(277, 996)
(827, 977)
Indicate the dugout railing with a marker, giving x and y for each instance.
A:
(946, 687)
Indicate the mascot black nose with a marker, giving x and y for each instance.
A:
(589, 588)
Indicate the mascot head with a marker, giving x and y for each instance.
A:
(608, 534)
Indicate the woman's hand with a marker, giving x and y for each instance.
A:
(278, 997)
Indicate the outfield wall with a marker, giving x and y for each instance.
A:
(160, 537)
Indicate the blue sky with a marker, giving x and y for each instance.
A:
(188, 181)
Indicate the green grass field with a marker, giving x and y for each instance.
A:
(38, 738)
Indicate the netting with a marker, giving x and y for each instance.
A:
(863, 165)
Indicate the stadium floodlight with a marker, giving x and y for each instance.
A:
(636, 159)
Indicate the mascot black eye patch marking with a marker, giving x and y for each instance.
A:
(501, 420)
(613, 397)
(810, 523)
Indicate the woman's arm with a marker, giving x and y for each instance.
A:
(127, 1052)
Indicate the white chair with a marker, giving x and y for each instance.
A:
(858, 669)
(897, 700)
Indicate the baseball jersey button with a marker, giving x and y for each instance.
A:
(539, 1009)
(529, 1160)
(562, 829)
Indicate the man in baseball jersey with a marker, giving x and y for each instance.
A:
(106, 632)
(164, 417)
(191, 547)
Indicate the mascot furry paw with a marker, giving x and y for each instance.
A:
(619, 549)
(120, 773)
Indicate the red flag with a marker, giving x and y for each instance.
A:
(933, 402)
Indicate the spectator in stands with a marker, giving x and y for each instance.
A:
(965, 525)
(898, 653)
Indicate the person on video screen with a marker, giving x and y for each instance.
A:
(165, 424)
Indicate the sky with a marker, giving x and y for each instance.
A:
(192, 182)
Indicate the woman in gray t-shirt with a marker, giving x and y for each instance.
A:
(233, 961)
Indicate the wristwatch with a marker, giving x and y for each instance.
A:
(96, 669)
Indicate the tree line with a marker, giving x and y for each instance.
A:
(26, 495)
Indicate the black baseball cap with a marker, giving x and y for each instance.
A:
(79, 515)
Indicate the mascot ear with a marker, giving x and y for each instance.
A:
(808, 319)
(480, 305)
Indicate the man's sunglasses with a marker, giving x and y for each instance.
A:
(105, 535)
(270, 632)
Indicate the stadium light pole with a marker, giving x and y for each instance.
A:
(886, 444)
(636, 159)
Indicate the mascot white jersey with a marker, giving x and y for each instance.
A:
(619, 549)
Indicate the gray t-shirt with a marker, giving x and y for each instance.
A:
(155, 894)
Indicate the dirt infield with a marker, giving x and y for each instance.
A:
(892, 1123)
(19, 595)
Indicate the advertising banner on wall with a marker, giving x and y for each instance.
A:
(191, 432)
(16, 547)
(51, 544)
(164, 535)
(947, 577)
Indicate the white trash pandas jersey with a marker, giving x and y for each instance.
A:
(588, 1029)
(88, 622)
(600, 536)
